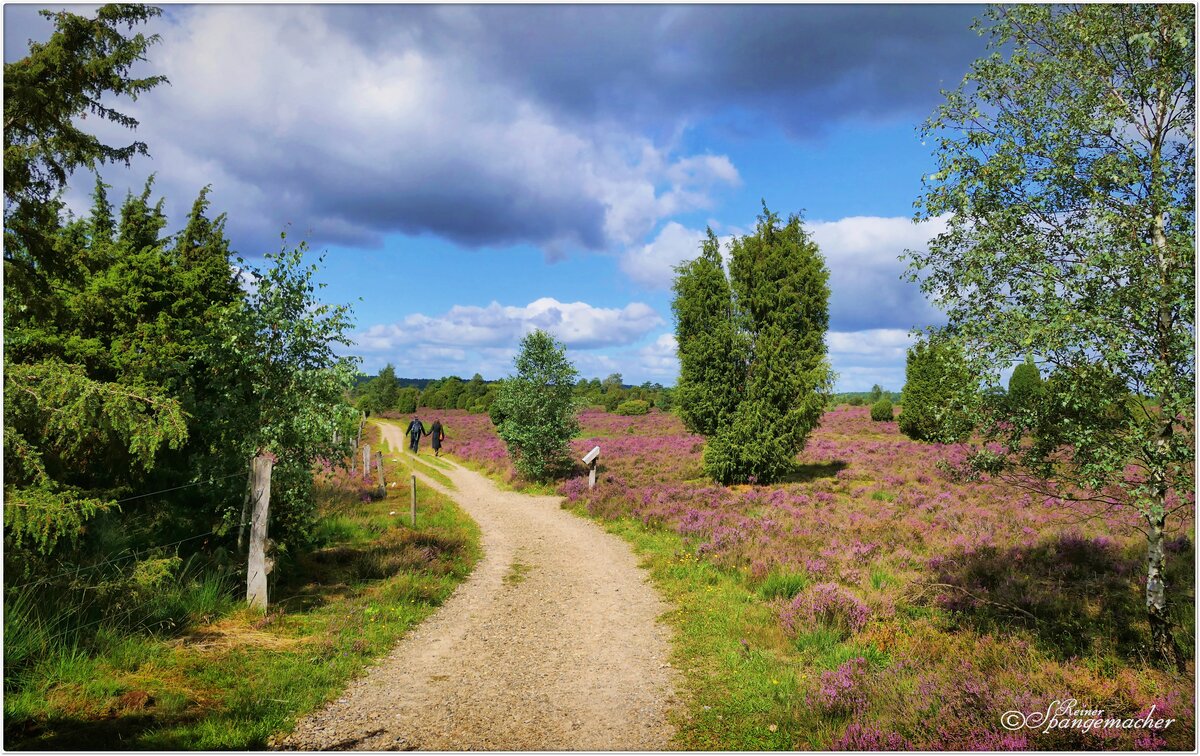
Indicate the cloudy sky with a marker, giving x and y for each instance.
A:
(474, 172)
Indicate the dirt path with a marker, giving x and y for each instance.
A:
(553, 643)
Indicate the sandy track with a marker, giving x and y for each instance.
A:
(571, 656)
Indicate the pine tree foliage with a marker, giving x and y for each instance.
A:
(1024, 385)
(712, 351)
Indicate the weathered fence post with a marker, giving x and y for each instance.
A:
(379, 470)
(362, 420)
(414, 500)
(259, 566)
(367, 461)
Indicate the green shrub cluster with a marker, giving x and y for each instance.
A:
(633, 407)
(881, 411)
(753, 376)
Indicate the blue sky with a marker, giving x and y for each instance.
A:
(473, 172)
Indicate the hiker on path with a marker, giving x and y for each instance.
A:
(436, 436)
(415, 430)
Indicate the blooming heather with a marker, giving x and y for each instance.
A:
(977, 596)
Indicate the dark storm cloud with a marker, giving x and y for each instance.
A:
(804, 66)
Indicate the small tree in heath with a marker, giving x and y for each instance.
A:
(536, 408)
(938, 392)
(753, 372)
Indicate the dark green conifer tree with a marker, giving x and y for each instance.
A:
(712, 354)
(937, 392)
(753, 373)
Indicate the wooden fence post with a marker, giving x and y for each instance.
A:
(379, 471)
(367, 461)
(414, 500)
(362, 420)
(259, 566)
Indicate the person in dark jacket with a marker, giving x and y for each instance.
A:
(436, 436)
(416, 429)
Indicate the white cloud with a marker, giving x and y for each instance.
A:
(865, 358)
(577, 324)
(861, 252)
(866, 289)
(888, 344)
(660, 357)
(653, 265)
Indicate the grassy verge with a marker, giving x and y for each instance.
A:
(238, 678)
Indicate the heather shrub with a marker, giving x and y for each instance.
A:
(633, 407)
(859, 737)
(881, 411)
(842, 690)
(825, 605)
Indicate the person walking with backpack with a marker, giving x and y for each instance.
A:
(436, 436)
(416, 429)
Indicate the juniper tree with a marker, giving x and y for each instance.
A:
(938, 392)
(712, 350)
(1066, 169)
(753, 373)
(1024, 387)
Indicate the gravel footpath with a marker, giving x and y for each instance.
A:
(552, 643)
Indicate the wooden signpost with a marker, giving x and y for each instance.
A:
(590, 459)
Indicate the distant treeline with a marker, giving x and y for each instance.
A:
(859, 398)
(387, 393)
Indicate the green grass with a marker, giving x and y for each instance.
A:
(426, 468)
(517, 572)
(782, 585)
(237, 678)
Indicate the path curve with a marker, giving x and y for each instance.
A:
(573, 656)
